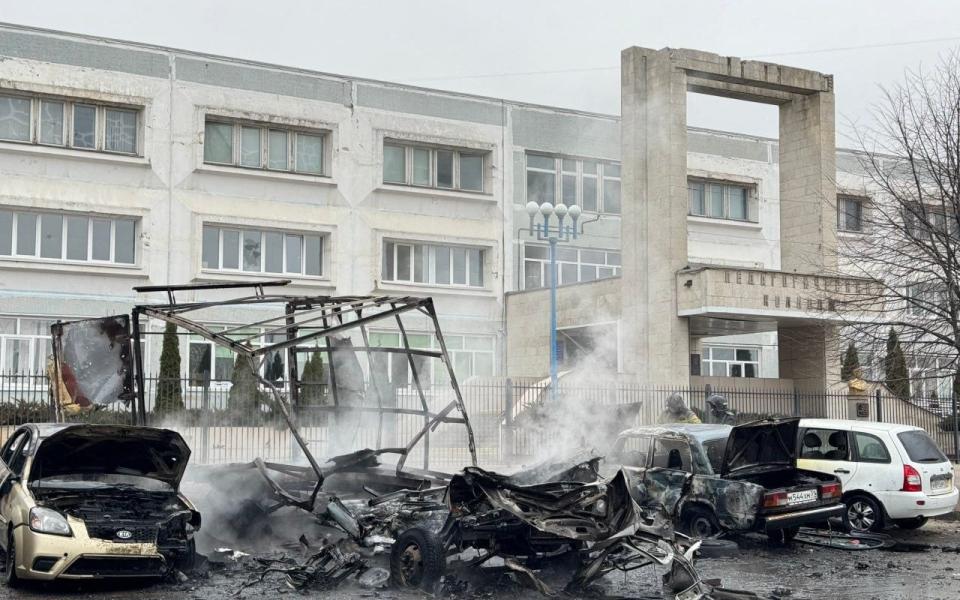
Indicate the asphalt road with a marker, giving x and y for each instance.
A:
(799, 572)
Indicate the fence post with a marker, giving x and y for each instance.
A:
(511, 449)
(796, 402)
(879, 406)
(956, 431)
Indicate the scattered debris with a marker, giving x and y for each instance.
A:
(844, 541)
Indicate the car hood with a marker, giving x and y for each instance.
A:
(761, 446)
(91, 450)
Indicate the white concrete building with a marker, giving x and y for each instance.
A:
(125, 164)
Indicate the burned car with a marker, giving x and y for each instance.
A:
(81, 501)
(723, 478)
(527, 517)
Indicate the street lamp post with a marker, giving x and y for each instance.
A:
(561, 232)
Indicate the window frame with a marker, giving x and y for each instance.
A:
(544, 264)
(292, 135)
(726, 187)
(410, 147)
(430, 275)
(36, 348)
(263, 231)
(860, 201)
(64, 239)
(67, 126)
(707, 361)
(456, 346)
(599, 176)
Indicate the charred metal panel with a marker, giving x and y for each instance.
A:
(93, 364)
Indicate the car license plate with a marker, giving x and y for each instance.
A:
(940, 483)
(801, 497)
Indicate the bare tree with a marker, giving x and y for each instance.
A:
(911, 225)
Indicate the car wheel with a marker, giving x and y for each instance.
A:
(699, 522)
(863, 514)
(10, 562)
(914, 523)
(782, 537)
(417, 559)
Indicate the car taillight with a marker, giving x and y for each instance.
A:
(775, 500)
(829, 491)
(911, 480)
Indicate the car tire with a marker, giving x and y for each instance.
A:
(783, 537)
(418, 559)
(863, 514)
(699, 522)
(914, 523)
(10, 563)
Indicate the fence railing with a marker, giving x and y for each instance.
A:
(511, 418)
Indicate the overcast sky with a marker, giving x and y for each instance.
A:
(490, 47)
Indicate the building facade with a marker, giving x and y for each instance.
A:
(126, 164)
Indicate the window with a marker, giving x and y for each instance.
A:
(870, 448)
(413, 262)
(208, 359)
(574, 265)
(24, 345)
(924, 297)
(593, 185)
(729, 361)
(471, 356)
(720, 200)
(850, 214)
(261, 146)
(226, 248)
(69, 123)
(920, 448)
(824, 444)
(67, 237)
(452, 169)
(632, 451)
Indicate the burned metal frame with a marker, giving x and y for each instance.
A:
(309, 319)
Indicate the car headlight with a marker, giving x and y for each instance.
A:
(47, 520)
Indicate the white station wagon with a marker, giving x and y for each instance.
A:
(891, 474)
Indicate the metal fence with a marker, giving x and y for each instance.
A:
(512, 418)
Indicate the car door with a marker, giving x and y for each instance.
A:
(874, 472)
(828, 450)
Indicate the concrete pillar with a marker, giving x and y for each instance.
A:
(808, 221)
(810, 356)
(654, 220)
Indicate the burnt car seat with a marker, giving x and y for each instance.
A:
(837, 439)
(811, 446)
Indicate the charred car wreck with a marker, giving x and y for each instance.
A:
(733, 479)
(575, 512)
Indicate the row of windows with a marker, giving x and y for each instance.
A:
(574, 265)
(59, 122)
(70, 238)
(590, 184)
(25, 345)
(113, 240)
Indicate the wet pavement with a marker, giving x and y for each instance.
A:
(796, 573)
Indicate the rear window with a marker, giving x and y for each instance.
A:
(920, 448)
